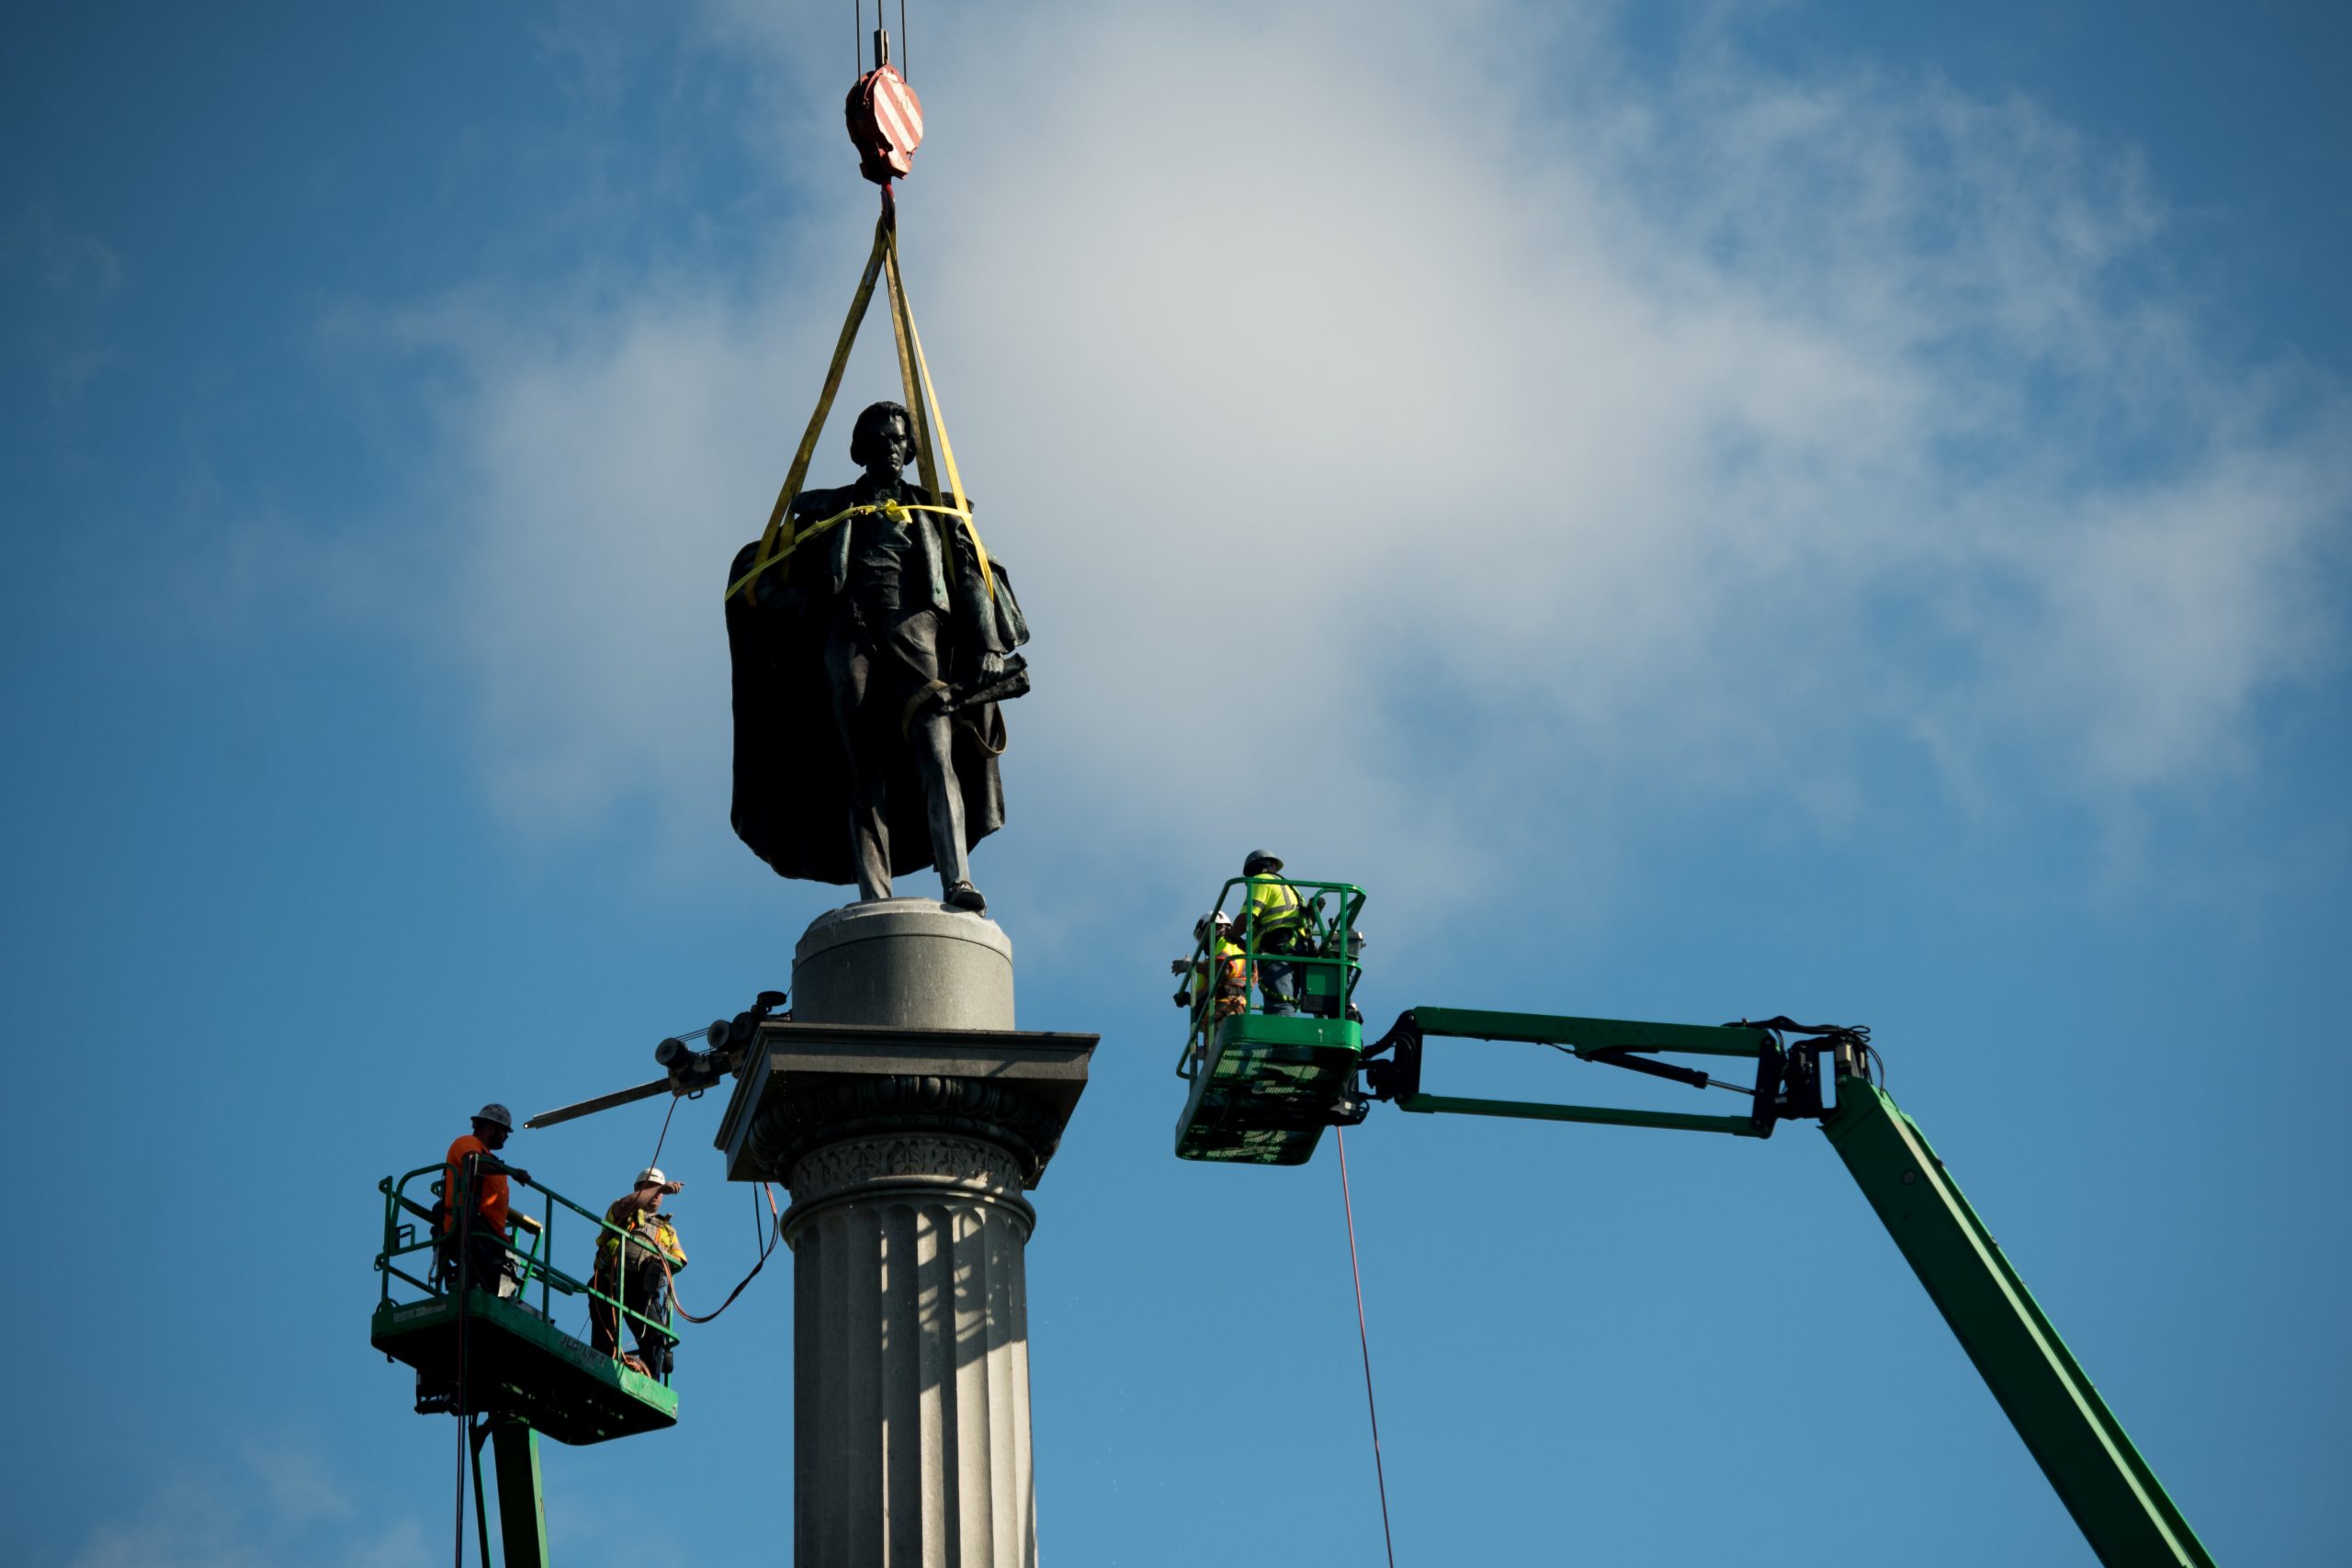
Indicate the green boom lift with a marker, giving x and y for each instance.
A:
(1265, 1085)
(486, 1353)
(1264, 1088)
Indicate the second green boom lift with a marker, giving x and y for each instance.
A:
(1264, 1088)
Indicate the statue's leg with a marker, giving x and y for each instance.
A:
(936, 742)
(916, 639)
(849, 668)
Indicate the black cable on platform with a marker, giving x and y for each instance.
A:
(1364, 1337)
(767, 1249)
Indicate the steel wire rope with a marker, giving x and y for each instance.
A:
(458, 1546)
(1364, 1337)
(655, 1163)
(466, 1178)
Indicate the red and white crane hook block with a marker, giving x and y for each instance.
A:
(885, 118)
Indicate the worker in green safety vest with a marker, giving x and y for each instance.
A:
(1273, 921)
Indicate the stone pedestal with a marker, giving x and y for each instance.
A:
(906, 964)
(910, 1119)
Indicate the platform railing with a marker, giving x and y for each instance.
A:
(410, 1229)
(1325, 953)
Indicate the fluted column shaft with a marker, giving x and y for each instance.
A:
(909, 1119)
(911, 1358)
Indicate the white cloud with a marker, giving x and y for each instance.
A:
(1547, 423)
(276, 1505)
(65, 260)
(66, 280)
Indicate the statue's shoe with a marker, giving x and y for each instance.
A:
(964, 895)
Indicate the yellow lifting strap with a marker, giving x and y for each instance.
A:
(894, 510)
(922, 406)
(929, 422)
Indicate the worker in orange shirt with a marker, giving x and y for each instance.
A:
(474, 1157)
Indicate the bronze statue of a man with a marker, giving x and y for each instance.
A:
(866, 739)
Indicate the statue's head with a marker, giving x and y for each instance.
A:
(883, 437)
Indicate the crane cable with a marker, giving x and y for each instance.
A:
(768, 1238)
(1364, 1337)
(655, 1163)
(465, 1416)
(669, 1283)
(857, 35)
(467, 1176)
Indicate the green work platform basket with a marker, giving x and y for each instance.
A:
(520, 1364)
(1266, 1084)
(1268, 1087)
(517, 1362)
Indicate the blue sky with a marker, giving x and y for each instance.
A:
(1769, 507)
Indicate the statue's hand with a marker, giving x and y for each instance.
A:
(991, 666)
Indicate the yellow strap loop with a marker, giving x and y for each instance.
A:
(923, 404)
(929, 420)
(779, 518)
(888, 508)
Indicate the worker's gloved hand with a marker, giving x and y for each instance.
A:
(673, 1186)
(519, 1174)
(991, 666)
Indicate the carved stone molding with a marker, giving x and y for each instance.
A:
(1024, 1127)
(982, 1169)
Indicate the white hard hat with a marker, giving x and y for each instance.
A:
(652, 1176)
(496, 1115)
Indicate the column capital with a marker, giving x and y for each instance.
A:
(805, 1086)
(923, 1167)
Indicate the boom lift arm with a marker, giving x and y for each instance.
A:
(2122, 1510)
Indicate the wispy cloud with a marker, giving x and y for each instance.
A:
(63, 259)
(61, 280)
(1472, 427)
(273, 1508)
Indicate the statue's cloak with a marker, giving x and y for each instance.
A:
(792, 780)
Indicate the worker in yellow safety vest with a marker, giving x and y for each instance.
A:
(1217, 982)
(1271, 922)
(638, 1253)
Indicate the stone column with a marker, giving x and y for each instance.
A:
(909, 1120)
